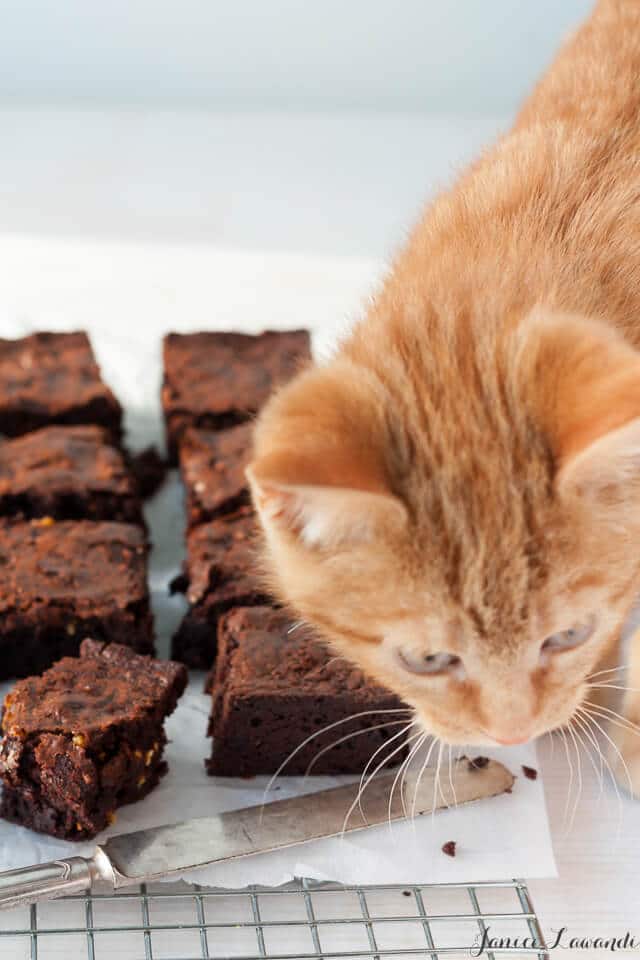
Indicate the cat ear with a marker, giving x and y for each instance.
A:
(322, 448)
(607, 470)
(323, 515)
(591, 379)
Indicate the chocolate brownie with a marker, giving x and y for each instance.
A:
(275, 686)
(215, 380)
(84, 738)
(49, 378)
(61, 582)
(221, 571)
(212, 467)
(68, 473)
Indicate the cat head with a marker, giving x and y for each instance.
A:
(461, 519)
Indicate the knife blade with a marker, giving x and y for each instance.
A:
(160, 852)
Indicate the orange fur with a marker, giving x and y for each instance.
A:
(462, 476)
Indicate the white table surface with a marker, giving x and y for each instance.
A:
(106, 218)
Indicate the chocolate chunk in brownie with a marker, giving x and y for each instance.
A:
(222, 572)
(178, 584)
(215, 380)
(84, 738)
(149, 470)
(61, 582)
(212, 466)
(68, 473)
(49, 378)
(275, 685)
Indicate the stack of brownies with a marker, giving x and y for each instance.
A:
(87, 734)
(83, 732)
(272, 685)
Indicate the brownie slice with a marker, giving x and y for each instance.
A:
(216, 380)
(212, 467)
(274, 686)
(68, 473)
(49, 378)
(84, 738)
(221, 572)
(61, 582)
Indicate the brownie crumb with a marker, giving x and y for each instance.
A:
(449, 848)
(149, 469)
(530, 772)
(179, 584)
(478, 763)
(406, 893)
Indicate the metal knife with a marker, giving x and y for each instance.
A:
(160, 852)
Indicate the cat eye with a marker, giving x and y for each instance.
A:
(568, 639)
(431, 663)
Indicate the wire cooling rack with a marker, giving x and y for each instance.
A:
(304, 920)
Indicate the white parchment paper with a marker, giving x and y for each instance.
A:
(127, 296)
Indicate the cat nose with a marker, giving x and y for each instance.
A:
(512, 739)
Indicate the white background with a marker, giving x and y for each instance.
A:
(187, 160)
(438, 55)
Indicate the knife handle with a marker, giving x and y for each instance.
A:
(45, 881)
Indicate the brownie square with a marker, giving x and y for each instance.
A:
(84, 738)
(212, 467)
(49, 378)
(274, 686)
(221, 572)
(68, 473)
(61, 582)
(216, 380)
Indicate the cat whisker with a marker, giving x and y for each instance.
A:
(552, 742)
(611, 742)
(579, 764)
(319, 733)
(362, 788)
(592, 740)
(372, 758)
(336, 659)
(600, 673)
(349, 736)
(296, 625)
(424, 766)
(611, 686)
(570, 785)
(614, 716)
(451, 783)
(402, 773)
(403, 781)
(591, 721)
(397, 777)
(436, 783)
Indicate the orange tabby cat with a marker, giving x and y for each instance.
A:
(454, 499)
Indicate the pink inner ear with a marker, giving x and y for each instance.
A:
(584, 379)
(608, 466)
(274, 502)
(325, 515)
